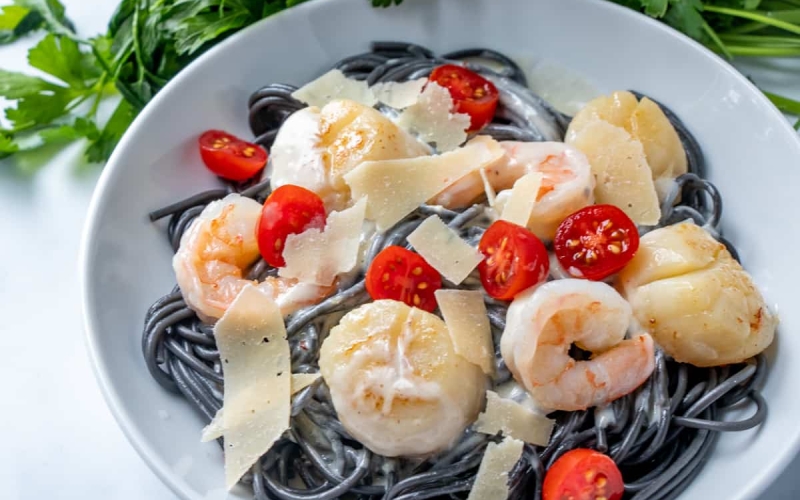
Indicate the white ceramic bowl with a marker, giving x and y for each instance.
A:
(753, 157)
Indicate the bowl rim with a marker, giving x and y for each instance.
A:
(178, 485)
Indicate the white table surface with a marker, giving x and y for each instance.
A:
(59, 438)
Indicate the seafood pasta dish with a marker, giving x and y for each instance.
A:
(419, 280)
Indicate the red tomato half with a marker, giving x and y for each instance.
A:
(596, 242)
(515, 260)
(288, 210)
(400, 274)
(472, 94)
(230, 157)
(583, 474)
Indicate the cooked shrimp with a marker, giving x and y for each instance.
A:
(396, 382)
(316, 147)
(544, 322)
(215, 252)
(567, 183)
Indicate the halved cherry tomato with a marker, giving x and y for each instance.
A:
(288, 210)
(596, 242)
(583, 474)
(472, 94)
(400, 274)
(230, 157)
(515, 260)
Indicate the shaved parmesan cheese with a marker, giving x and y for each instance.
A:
(317, 257)
(302, 380)
(491, 195)
(513, 420)
(216, 429)
(620, 166)
(464, 313)
(441, 246)
(395, 188)
(251, 338)
(491, 483)
(430, 118)
(523, 196)
(334, 85)
(399, 95)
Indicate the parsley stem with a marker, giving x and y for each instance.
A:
(751, 51)
(713, 36)
(99, 95)
(746, 28)
(143, 72)
(773, 41)
(797, 125)
(784, 104)
(754, 16)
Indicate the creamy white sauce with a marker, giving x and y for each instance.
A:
(296, 156)
(514, 391)
(604, 416)
(556, 271)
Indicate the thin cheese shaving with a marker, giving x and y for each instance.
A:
(513, 420)
(523, 196)
(302, 380)
(491, 483)
(491, 195)
(252, 344)
(430, 118)
(464, 312)
(441, 246)
(334, 85)
(399, 95)
(216, 429)
(317, 257)
(395, 188)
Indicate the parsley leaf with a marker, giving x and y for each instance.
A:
(18, 85)
(655, 8)
(104, 143)
(56, 134)
(684, 15)
(53, 15)
(7, 146)
(38, 101)
(60, 57)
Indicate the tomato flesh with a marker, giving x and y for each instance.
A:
(288, 210)
(472, 94)
(230, 157)
(583, 474)
(515, 260)
(400, 274)
(596, 242)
